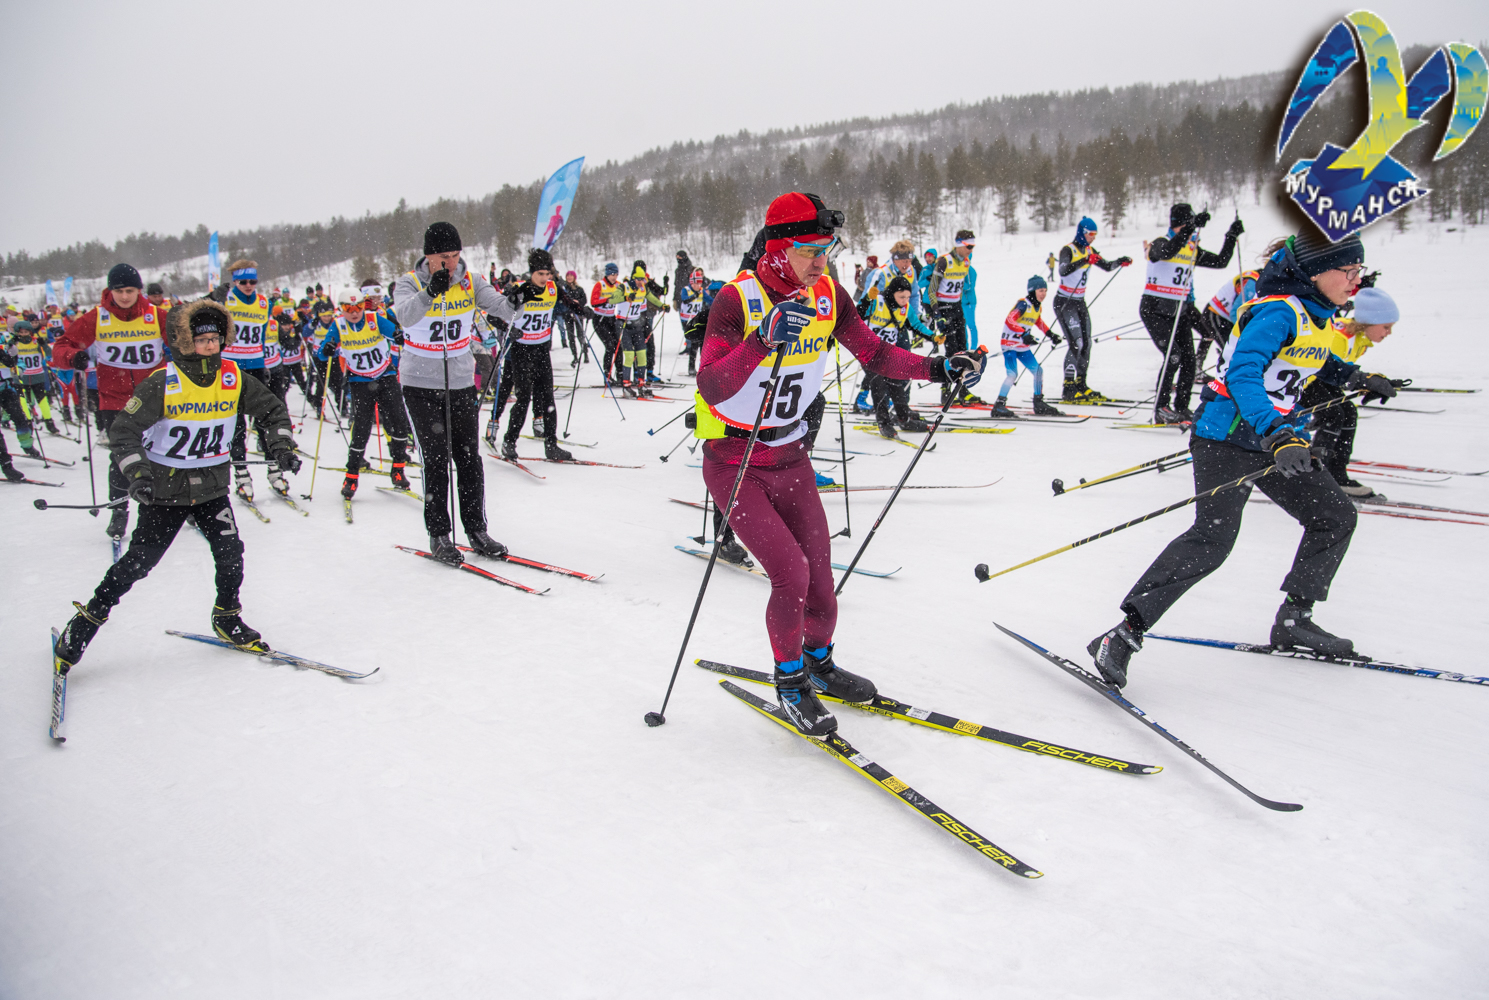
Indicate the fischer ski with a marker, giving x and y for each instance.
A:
(835, 746)
(892, 709)
(275, 656)
(1298, 653)
(578, 461)
(534, 564)
(251, 506)
(346, 506)
(407, 493)
(1104, 689)
(58, 730)
(1412, 468)
(293, 506)
(478, 571)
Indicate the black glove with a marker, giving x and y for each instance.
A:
(1380, 387)
(1369, 280)
(439, 283)
(288, 461)
(142, 490)
(1054, 338)
(1289, 452)
(1029, 339)
(666, 280)
(1236, 229)
(1122, 261)
(966, 365)
(1202, 220)
(80, 361)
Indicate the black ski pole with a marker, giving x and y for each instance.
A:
(847, 531)
(575, 391)
(678, 445)
(670, 422)
(95, 508)
(658, 717)
(600, 360)
(981, 569)
(940, 416)
(88, 433)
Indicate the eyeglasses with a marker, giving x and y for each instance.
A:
(814, 250)
(1352, 272)
(206, 338)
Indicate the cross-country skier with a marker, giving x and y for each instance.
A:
(952, 285)
(789, 303)
(1167, 306)
(891, 318)
(253, 327)
(32, 356)
(122, 338)
(636, 330)
(172, 443)
(435, 303)
(1074, 265)
(692, 299)
(607, 299)
(365, 342)
(1018, 349)
(1283, 339)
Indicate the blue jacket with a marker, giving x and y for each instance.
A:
(1248, 415)
(880, 279)
(385, 326)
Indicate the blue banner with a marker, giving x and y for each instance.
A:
(51, 293)
(67, 290)
(214, 266)
(556, 203)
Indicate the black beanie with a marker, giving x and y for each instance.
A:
(1180, 214)
(210, 319)
(154, 288)
(1315, 254)
(441, 237)
(539, 260)
(899, 283)
(124, 276)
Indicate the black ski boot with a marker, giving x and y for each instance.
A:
(398, 478)
(886, 429)
(490, 433)
(509, 449)
(77, 634)
(228, 624)
(914, 425)
(733, 552)
(798, 699)
(831, 679)
(11, 472)
(349, 485)
(444, 550)
(1169, 415)
(1111, 651)
(1294, 626)
(118, 525)
(1070, 390)
(1000, 409)
(52, 427)
(487, 546)
(1043, 409)
(554, 453)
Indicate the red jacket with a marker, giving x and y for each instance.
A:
(115, 385)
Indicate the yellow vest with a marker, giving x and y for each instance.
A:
(251, 323)
(535, 322)
(31, 360)
(445, 330)
(1297, 363)
(129, 343)
(197, 427)
(953, 279)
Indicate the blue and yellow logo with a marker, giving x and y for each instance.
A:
(1345, 190)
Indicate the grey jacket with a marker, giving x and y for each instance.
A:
(411, 302)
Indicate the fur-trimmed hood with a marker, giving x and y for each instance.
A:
(179, 325)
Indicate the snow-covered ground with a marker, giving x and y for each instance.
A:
(489, 816)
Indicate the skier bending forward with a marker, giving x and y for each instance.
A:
(171, 442)
(789, 302)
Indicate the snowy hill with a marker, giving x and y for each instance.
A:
(488, 815)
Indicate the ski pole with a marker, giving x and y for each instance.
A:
(672, 421)
(1173, 335)
(600, 360)
(88, 433)
(658, 717)
(95, 508)
(575, 391)
(847, 531)
(320, 426)
(940, 416)
(983, 576)
(678, 445)
(1059, 486)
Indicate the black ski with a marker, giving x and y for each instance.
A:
(1104, 689)
(836, 746)
(1297, 653)
(893, 709)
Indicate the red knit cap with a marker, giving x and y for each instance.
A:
(792, 207)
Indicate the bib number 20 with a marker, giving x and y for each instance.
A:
(444, 332)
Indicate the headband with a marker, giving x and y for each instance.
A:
(246, 274)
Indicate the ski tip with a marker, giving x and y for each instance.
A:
(981, 572)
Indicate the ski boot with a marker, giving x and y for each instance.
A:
(1070, 391)
(278, 483)
(243, 484)
(67, 417)
(733, 552)
(1112, 650)
(554, 453)
(835, 682)
(30, 450)
(1169, 415)
(444, 550)
(77, 633)
(886, 429)
(398, 478)
(487, 546)
(509, 449)
(643, 390)
(651, 379)
(349, 485)
(1086, 394)
(118, 525)
(1356, 490)
(1000, 409)
(824, 480)
(692, 368)
(1294, 626)
(228, 625)
(914, 425)
(12, 474)
(52, 427)
(1043, 409)
(861, 404)
(798, 700)
(490, 434)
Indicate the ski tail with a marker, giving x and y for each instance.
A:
(58, 729)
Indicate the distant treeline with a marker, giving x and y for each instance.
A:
(1040, 160)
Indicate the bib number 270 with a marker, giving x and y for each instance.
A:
(788, 400)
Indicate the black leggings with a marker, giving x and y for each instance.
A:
(153, 533)
(1075, 320)
(608, 329)
(889, 392)
(1213, 329)
(387, 396)
(532, 375)
(1313, 499)
(426, 407)
(1158, 316)
(10, 402)
(1334, 428)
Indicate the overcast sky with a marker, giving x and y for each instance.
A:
(161, 114)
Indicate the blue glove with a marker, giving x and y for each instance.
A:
(784, 323)
(967, 366)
